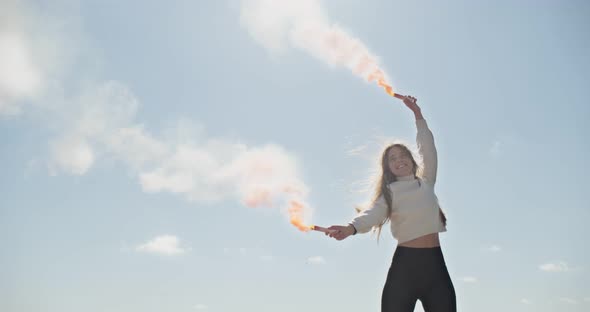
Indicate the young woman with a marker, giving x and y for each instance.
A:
(405, 196)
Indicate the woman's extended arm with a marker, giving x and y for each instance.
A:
(425, 142)
(363, 222)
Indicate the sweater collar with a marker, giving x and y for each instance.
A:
(406, 178)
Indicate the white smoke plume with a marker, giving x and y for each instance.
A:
(277, 24)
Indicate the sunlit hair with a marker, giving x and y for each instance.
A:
(386, 177)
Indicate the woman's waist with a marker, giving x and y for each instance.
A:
(426, 241)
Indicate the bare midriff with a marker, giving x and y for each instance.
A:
(426, 241)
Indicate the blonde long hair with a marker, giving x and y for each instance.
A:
(386, 177)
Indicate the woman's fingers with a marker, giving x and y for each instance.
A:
(410, 102)
(410, 99)
(337, 232)
(341, 236)
(334, 230)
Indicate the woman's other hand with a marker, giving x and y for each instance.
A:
(340, 232)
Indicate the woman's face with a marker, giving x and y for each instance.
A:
(400, 162)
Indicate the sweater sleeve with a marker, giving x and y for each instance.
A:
(371, 217)
(427, 150)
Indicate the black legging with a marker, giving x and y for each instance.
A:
(418, 274)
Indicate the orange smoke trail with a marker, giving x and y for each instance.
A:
(379, 77)
(296, 215)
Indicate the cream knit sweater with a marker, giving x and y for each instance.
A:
(415, 209)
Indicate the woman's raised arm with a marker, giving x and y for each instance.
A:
(425, 142)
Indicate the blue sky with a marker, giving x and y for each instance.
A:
(129, 131)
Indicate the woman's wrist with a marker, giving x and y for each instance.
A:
(418, 114)
(354, 231)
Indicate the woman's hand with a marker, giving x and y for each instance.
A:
(410, 102)
(340, 232)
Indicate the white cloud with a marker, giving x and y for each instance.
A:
(266, 258)
(316, 260)
(37, 43)
(103, 108)
(34, 51)
(492, 248)
(19, 77)
(525, 301)
(242, 251)
(469, 279)
(568, 300)
(199, 168)
(560, 266)
(250, 253)
(357, 150)
(496, 148)
(164, 244)
(138, 149)
(200, 307)
(194, 170)
(71, 154)
(93, 120)
(495, 248)
(587, 299)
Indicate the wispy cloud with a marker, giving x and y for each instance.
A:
(496, 148)
(560, 266)
(20, 77)
(568, 300)
(36, 51)
(357, 150)
(165, 245)
(266, 258)
(492, 248)
(525, 301)
(250, 253)
(241, 250)
(469, 279)
(190, 164)
(96, 119)
(316, 260)
(71, 154)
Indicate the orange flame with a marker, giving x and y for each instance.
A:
(296, 215)
(379, 77)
